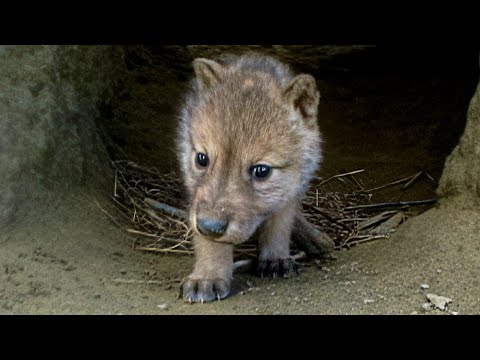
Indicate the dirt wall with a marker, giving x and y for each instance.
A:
(460, 181)
(49, 103)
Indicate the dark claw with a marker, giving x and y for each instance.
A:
(277, 268)
(201, 290)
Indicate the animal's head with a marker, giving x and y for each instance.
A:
(248, 144)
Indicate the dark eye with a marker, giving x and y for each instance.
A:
(202, 160)
(261, 172)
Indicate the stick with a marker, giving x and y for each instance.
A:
(329, 218)
(388, 185)
(415, 177)
(167, 250)
(182, 214)
(341, 175)
(369, 238)
(142, 233)
(110, 216)
(356, 182)
(310, 239)
(431, 178)
(392, 204)
(115, 185)
(375, 219)
(390, 225)
(352, 219)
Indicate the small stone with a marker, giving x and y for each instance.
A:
(439, 302)
(439, 271)
(454, 312)
(424, 286)
(162, 306)
(414, 313)
(367, 301)
(273, 293)
(427, 306)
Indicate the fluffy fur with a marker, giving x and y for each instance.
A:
(243, 111)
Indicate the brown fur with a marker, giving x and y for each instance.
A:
(244, 111)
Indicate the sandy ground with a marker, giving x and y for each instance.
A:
(69, 265)
(71, 257)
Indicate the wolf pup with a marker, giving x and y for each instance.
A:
(248, 145)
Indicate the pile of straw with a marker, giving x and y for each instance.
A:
(151, 206)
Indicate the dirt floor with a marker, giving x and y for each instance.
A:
(82, 264)
(72, 259)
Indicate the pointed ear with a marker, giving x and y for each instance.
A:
(302, 94)
(208, 72)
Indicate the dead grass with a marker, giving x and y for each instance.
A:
(151, 206)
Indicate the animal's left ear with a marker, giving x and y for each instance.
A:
(208, 72)
(302, 94)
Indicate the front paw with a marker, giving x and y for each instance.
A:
(277, 268)
(203, 290)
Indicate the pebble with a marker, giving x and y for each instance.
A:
(427, 306)
(439, 302)
(366, 301)
(162, 306)
(424, 286)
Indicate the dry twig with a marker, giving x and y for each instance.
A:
(151, 206)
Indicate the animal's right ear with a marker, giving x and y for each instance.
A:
(208, 72)
(303, 95)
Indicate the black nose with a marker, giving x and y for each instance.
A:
(210, 227)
